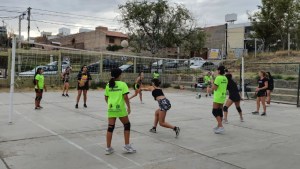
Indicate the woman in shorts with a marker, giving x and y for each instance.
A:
(234, 97)
(137, 86)
(39, 83)
(164, 105)
(208, 81)
(219, 87)
(84, 81)
(270, 87)
(261, 93)
(65, 79)
(116, 97)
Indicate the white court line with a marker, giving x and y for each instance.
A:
(67, 140)
(97, 144)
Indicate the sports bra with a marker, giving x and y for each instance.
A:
(156, 93)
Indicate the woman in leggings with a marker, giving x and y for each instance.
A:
(261, 93)
(219, 87)
(234, 97)
(164, 105)
(40, 86)
(65, 79)
(270, 88)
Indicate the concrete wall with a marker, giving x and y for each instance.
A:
(236, 37)
(215, 37)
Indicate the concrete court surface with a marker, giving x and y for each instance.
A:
(62, 137)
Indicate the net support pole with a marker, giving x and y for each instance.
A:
(298, 93)
(243, 77)
(12, 81)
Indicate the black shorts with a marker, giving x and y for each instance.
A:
(37, 91)
(261, 93)
(164, 104)
(235, 97)
(271, 89)
(136, 86)
(65, 81)
(85, 87)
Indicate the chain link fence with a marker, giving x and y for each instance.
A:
(54, 60)
(286, 80)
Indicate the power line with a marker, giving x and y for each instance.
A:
(55, 23)
(65, 13)
(11, 11)
(76, 17)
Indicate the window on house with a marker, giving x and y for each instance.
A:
(111, 40)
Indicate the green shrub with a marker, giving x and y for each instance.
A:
(176, 87)
(94, 85)
(166, 85)
(290, 78)
(277, 77)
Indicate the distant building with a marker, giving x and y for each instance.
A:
(97, 39)
(64, 31)
(238, 37)
(84, 30)
(3, 31)
(46, 34)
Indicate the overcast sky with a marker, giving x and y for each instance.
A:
(206, 12)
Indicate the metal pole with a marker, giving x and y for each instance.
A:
(243, 77)
(20, 18)
(28, 18)
(12, 80)
(255, 44)
(289, 43)
(298, 93)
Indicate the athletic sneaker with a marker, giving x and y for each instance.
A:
(242, 119)
(76, 106)
(153, 130)
(177, 131)
(215, 128)
(37, 108)
(40, 107)
(67, 95)
(264, 114)
(206, 95)
(142, 103)
(219, 130)
(209, 94)
(225, 121)
(255, 113)
(63, 95)
(129, 149)
(84, 105)
(109, 151)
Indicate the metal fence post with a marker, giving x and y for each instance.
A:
(298, 93)
(101, 64)
(134, 65)
(59, 65)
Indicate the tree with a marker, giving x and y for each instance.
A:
(155, 25)
(275, 20)
(195, 41)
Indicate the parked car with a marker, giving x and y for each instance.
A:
(205, 65)
(171, 64)
(130, 68)
(108, 64)
(167, 64)
(64, 64)
(192, 61)
(48, 70)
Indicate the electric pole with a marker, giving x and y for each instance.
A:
(28, 18)
(20, 19)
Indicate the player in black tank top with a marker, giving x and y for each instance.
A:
(234, 97)
(261, 93)
(65, 78)
(270, 87)
(164, 105)
(137, 87)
